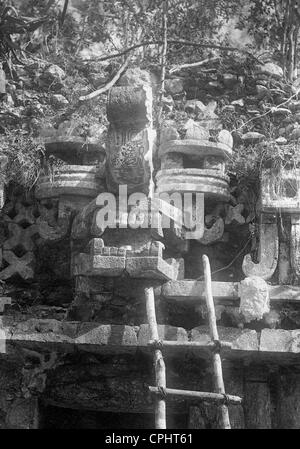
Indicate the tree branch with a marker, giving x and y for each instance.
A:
(171, 41)
(163, 61)
(194, 64)
(107, 86)
(64, 12)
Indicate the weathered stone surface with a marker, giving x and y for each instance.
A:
(168, 133)
(211, 183)
(20, 237)
(224, 292)
(272, 319)
(130, 106)
(268, 250)
(165, 332)
(280, 190)
(98, 265)
(23, 414)
(257, 406)
(135, 77)
(255, 301)
(280, 340)
(22, 266)
(196, 418)
(130, 138)
(192, 147)
(214, 233)
(154, 268)
(82, 222)
(288, 400)
(53, 233)
(295, 244)
(129, 158)
(171, 160)
(77, 181)
(95, 334)
(115, 261)
(194, 290)
(234, 214)
(242, 340)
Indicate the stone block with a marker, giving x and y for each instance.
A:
(280, 340)
(98, 265)
(257, 405)
(214, 233)
(23, 414)
(268, 250)
(108, 265)
(280, 191)
(212, 183)
(129, 105)
(255, 299)
(165, 332)
(242, 340)
(153, 268)
(77, 181)
(23, 266)
(129, 158)
(112, 335)
(196, 148)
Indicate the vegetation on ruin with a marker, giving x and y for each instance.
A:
(88, 40)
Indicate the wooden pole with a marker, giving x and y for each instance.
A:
(216, 398)
(191, 344)
(217, 363)
(159, 364)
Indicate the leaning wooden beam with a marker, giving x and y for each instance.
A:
(215, 398)
(190, 344)
(159, 364)
(217, 363)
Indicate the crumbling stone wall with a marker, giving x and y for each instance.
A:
(77, 316)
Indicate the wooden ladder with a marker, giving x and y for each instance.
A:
(218, 397)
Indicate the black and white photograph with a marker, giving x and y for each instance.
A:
(149, 218)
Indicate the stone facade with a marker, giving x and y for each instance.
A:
(84, 345)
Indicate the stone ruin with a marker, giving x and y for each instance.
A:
(79, 358)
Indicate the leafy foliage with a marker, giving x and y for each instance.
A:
(11, 23)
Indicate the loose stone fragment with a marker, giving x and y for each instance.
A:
(255, 302)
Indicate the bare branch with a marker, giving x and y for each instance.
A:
(64, 12)
(193, 64)
(163, 59)
(171, 41)
(107, 86)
